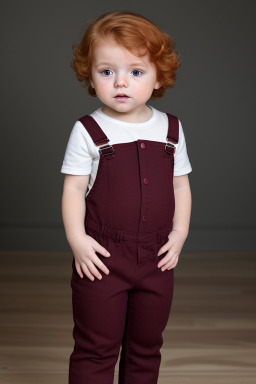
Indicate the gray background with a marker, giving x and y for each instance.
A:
(214, 98)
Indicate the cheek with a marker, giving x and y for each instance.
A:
(102, 88)
(144, 90)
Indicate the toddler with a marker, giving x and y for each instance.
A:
(126, 201)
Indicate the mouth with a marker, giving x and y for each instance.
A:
(120, 95)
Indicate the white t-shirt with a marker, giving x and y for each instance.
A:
(82, 155)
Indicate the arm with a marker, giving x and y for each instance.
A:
(73, 206)
(181, 220)
(183, 204)
(73, 215)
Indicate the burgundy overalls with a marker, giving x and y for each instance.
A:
(129, 211)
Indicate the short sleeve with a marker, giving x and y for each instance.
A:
(182, 164)
(77, 158)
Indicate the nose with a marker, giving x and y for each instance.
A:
(121, 81)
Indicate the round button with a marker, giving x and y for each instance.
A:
(143, 145)
(144, 218)
(145, 181)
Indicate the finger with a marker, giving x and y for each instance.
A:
(164, 260)
(161, 250)
(94, 270)
(79, 271)
(164, 248)
(103, 251)
(87, 272)
(170, 265)
(167, 259)
(96, 260)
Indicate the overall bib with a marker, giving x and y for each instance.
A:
(129, 211)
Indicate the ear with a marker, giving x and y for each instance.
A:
(157, 85)
(92, 85)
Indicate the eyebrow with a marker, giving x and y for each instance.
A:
(110, 64)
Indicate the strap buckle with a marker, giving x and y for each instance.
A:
(107, 151)
(104, 147)
(170, 147)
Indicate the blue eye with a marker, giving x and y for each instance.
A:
(136, 70)
(106, 72)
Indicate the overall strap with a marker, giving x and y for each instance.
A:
(98, 136)
(172, 135)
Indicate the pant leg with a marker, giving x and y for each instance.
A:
(130, 306)
(99, 312)
(147, 316)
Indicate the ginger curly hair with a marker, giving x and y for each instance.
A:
(135, 33)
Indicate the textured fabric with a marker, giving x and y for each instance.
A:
(129, 211)
(82, 156)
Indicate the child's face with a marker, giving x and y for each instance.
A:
(116, 70)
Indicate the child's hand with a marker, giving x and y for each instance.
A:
(84, 249)
(174, 247)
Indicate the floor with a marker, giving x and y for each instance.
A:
(210, 336)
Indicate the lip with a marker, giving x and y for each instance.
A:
(121, 95)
